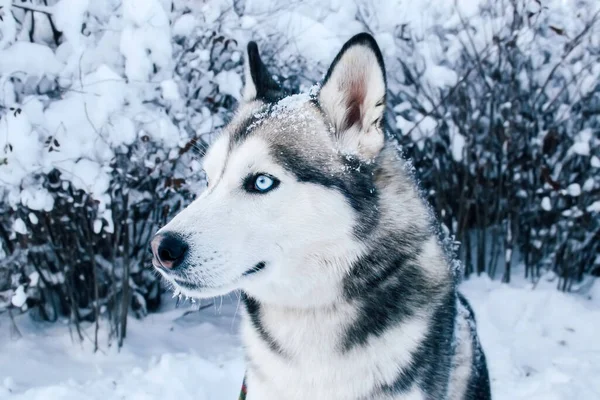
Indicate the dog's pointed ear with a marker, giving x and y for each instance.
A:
(353, 96)
(259, 85)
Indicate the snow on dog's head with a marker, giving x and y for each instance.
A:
(291, 194)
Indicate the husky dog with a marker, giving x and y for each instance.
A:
(311, 213)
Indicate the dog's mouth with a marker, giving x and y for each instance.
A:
(183, 284)
(194, 287)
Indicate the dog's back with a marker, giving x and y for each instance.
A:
(475, 377)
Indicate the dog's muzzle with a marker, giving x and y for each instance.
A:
(168, 250)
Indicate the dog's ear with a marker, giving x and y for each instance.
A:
(259, 85)
(353, 96)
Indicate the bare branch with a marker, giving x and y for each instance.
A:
(569, 49)
(33, 8)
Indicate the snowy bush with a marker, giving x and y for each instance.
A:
(504, 131)
(106, 108)
(99, 141)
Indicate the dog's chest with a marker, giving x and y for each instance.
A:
(302, 356)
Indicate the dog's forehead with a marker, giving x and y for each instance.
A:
(293, 122)
(285, 132)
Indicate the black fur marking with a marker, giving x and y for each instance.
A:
(431, 363)
(478, 387)
(387, 285)
(253, 308)
(267, 89)
(465, 303)
(244, 130)
(479, 383)
(357, 186)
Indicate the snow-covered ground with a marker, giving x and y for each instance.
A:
(540, 344)
(175, 354)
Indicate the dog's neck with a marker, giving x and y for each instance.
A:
(380, 278)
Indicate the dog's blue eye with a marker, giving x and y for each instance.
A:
(263, 183)
(260, 183)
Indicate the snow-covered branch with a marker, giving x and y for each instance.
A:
(34, 8)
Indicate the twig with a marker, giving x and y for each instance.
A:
(439, 103)
(569, 49)
(472, 42)
(14, 327)
(33, 8)
(450, 92)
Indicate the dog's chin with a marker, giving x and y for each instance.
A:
(199, 291)
(203, 292)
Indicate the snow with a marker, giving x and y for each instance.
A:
(422, 128)
(229, 83)
(546, 205)
(19, 226)
(8, 26)
(442, 75)
(594, 207)
(87, 175)
(19, 297)
(539, 341)
(34, 278)
(146, 38)
(33, 218)
(24, 149)
(589, 184)
(97, 226)
(574, 189)
(306, 30)
(582, 143)
(185, 25)
(457, 146)
(68, 17)
(581, 148)
(175, 354)
(170, 91)
(30, 59)
(36, 198)
(540, 344)
(247, 22)
(401, 107)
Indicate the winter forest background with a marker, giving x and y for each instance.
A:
(107, 106)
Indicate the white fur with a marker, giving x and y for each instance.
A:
(318, 369)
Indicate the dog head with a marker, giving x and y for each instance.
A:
(291, 195)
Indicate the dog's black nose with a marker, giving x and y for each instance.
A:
(168, 249)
